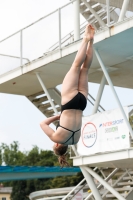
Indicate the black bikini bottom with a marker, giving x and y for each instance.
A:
(78, 103)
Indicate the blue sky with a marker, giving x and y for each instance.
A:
(19, 119)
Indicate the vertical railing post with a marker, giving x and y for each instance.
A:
(21, 48)
(59, 23)
(76, 20)
(108, 12)
(123, 10)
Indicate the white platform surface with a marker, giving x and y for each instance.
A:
(115, 159)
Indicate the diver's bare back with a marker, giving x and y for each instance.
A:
(72, 120)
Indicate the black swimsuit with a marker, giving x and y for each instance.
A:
(78, 103)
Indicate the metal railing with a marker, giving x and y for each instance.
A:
(30, 25)
(92, 102)
(69, 37)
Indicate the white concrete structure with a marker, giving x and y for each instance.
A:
(113, 60)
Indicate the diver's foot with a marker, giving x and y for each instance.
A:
(89, 33)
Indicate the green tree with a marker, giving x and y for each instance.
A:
(0, 156)
(19, 190)
(11, 155)
(37, 157)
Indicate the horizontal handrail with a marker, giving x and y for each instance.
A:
(69, 34)
(37, 21)
(95, 100)
(14, 57)
(91, 103)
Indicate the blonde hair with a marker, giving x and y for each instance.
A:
(61, 152)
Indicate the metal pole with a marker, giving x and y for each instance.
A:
(114, 92)
(123, 10)
(91, 184)
(73, 189)
(89, 179)
(108, 12)
(75, 150)
(21, 48)
(59, 20)
(76, 20)
(106, 179)
(99, 94)
(46, 91)
(104, 183)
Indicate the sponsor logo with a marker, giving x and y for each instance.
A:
(112, 129)
(110, 139)
(89, 135)
(123, 136)
(111, 123)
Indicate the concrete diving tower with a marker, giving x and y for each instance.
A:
(112, 64)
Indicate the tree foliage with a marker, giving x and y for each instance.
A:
(11, 155)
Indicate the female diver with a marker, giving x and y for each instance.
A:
(73, 100)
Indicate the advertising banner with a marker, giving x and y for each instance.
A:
(105, 131)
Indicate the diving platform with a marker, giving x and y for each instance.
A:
(122, 159)
(12, 173)
(114, 44)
